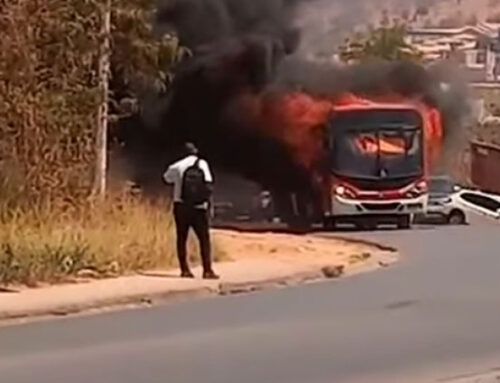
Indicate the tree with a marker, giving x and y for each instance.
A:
(48, 98)
(50, 94)
(140, 60)
(132, 61)
(385, 42)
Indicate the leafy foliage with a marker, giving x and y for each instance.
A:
(49, 97)
(140, 61)
(49, 90)
(385, 42)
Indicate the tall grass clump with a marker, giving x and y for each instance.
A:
(121, 235)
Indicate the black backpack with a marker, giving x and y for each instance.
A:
(195, 190)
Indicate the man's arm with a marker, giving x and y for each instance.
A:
(209, 179)
(169, 179)
(169, 176)
(210, 183)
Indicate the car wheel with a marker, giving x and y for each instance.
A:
(456, 217)
(404, 222)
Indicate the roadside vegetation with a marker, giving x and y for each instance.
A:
(52, 226)
(104, 239)
(47, 245)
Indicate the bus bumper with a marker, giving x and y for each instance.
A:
(341, 206)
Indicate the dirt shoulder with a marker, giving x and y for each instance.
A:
(305, 251)
(257, 261)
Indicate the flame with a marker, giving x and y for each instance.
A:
(432, 124)
(298, 119)
(372, 145)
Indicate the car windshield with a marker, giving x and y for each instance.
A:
(441, 186)
(377, 145)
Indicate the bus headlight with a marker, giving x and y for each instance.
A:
(345, 192)
(340, 190)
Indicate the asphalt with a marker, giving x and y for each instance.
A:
(433, 316)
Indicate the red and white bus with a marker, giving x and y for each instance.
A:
(379, 158)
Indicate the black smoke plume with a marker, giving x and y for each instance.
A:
(243, 47)
(237, 47)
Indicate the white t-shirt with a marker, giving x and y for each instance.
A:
(175, 172)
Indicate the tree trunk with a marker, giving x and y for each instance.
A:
(102, 115)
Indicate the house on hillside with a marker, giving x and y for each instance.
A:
(475, 48)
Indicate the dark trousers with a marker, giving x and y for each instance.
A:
(187, 217)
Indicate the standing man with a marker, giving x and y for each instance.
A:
(192, 182)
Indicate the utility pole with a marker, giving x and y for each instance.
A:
(103, 111)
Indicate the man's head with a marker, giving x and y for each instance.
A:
(190, 148)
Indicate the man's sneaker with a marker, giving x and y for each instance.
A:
(187, 274)
(210, 275)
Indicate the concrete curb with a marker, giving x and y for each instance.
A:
(291, 280)
(122, 301)
(221, 289)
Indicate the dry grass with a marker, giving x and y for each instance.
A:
(105, 239)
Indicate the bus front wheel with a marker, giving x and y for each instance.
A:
(404, 222)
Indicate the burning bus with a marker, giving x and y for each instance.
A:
(268, 114)
(379, 156)
(375, 164)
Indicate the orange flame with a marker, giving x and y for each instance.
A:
(373, 145)
(299, 119)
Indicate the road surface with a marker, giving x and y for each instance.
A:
(435, 314)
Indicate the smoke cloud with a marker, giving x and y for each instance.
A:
(252, 99)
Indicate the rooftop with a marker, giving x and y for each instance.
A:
(466, 32)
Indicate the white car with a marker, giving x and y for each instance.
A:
(455, 207)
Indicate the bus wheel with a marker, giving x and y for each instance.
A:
(299, 225)
(367, 225)
(404, 222)
(329, 223)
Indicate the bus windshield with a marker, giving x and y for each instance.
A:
(375, 146)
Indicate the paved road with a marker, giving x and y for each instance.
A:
(435, 312)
